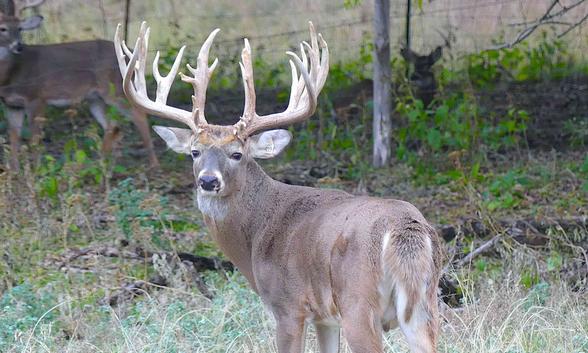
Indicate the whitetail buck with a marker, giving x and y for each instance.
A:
(314, 256)
(33, 76)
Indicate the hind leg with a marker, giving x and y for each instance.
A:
(111, 130)
(34, 111)
(362, 327)
(290, 334)
(141, 123)
(15, 118)
(328, 338)
(419, 325)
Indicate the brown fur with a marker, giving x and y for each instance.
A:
(314, 253)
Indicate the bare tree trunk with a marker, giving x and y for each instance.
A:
(126, 24)
(382, 78)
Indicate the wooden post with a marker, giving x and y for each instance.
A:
(126, 25)
(407, 33)
(382, 80)
(408, 14)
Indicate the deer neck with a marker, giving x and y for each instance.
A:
(7, 65)
(235, 221)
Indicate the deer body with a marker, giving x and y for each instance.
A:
(329, 258)
(314, 256)
(32, 77)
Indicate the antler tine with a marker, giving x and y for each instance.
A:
(298, 82)
(304, 89)
(200, 78)
(248, 85)
(134, 79)
(139, 81)
(23, 4)
(164, 83)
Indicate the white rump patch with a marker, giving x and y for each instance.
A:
(386, 285)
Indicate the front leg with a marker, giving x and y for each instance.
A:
(328, 338)
(15, 117)
(290, 335)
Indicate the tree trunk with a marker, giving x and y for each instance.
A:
(382, 78)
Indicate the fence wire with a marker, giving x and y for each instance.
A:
(275, 26)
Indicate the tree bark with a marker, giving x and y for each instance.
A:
(382, 78)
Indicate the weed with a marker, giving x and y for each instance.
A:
(20, 310)
(546, 60)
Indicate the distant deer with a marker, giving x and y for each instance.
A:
(34, 76)
(314, 256)
(423, 78)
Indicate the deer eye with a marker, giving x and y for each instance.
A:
(3, 29)
(195, 153)
(237, 156)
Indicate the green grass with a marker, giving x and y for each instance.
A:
(502, 317)
(515, 303)
(453, 162)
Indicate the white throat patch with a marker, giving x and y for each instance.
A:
(212, 206)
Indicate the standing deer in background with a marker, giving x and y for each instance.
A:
(423, 78)
(314, 256)
(34, 76)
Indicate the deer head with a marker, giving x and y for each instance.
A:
(220, 153)
(11, 25)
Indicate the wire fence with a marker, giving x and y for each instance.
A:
(274, 26)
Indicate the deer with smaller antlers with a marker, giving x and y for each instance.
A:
(314, 256)
(34, 76)
(423, 78)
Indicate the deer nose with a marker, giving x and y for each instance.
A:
(209, 182)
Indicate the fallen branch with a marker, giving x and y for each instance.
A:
(526, 231)
(478, 251)
(200, 263)
(132, 290)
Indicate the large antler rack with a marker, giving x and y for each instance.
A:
(309, 73)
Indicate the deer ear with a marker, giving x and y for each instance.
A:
(436, 55)
(408, 55)
(269, 144)
(177, 139)
(31, 23)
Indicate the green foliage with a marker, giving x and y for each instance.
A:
(584, 173)
(344, 74)
(438, 139)
(506, 191)
(75, 168)
(21, 308)
(137, 208)
(342, 145)
(529, 278)
(546, 60)
(349, 4)
(538, 295)
(577, 129)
